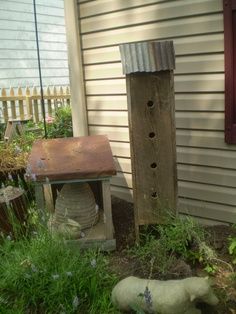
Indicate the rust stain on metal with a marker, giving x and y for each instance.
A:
(87, 157)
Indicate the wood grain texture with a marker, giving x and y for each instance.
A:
(106, 195)
(153, 152)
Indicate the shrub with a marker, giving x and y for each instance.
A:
(181, 236)
(61, 125)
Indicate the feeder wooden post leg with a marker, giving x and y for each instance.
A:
(40, 201)
(49, 204)
(106, 195)
(10, 129)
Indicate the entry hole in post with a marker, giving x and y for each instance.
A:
(153, 165)
(152, 134)
(150, 104)
(154, 195)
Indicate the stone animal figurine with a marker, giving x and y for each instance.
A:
(68, 228)
(163, 297)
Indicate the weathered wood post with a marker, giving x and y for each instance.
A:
(150, 90)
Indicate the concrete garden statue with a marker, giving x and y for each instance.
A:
(163, 297)
(68, 228)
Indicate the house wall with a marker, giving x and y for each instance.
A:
(18, 55)
(206, 165)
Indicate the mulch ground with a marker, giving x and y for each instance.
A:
(124, 265)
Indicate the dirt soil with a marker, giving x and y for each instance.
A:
(124, 265)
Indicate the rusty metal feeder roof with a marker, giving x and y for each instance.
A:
(74, 158)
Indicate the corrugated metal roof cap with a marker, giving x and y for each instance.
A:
(147, 56)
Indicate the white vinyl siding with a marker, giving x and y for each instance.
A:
(206, 164)
(18, 55)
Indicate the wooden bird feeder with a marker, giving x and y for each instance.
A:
(86, 159)
(150, 90)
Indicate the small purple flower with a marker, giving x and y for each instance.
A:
(75, 302)
(33, 176)
(93, 263)
(10, 177)
(34, 268)
(40, 164)
(28, 170)
(18, 150)
(9, 237)
(55, 277)
(29, 175)
(148, 297)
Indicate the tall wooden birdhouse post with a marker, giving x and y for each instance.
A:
(150, 90)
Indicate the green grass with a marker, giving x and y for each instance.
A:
(42, 275)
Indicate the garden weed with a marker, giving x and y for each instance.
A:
(178, 238)
(180, 235)
(232, 247)
(149, 249)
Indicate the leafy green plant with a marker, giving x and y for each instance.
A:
(61, 124)
(152, 255)
(210, 269)
(182, 239)
(232, 248)
(181, 235)
(43, 275)
(14, 154)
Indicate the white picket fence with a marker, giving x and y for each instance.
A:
(28, 103)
